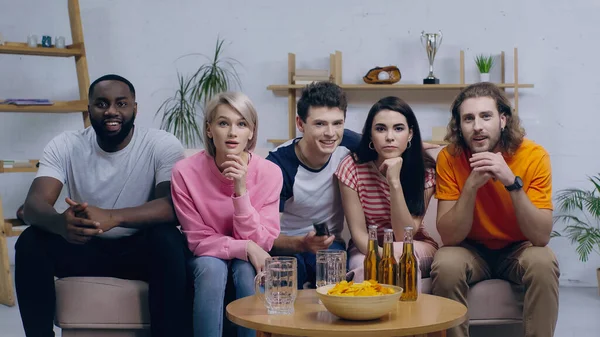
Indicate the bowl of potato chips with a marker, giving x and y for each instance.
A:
(359, 301)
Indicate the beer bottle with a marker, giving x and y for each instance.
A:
(387, 271)
(372, 259)
(408, 268)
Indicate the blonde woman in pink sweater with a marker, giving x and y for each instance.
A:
(227, 202)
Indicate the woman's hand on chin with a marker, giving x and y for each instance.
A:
(390, 168)
(236, 168)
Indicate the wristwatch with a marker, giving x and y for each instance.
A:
(518, 184)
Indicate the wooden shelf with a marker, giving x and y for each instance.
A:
(9, 227)
(18, 48)
(335, 71)
(77, 51)
(32, 168)
(18, 169)
(57, 107)
(281, 87)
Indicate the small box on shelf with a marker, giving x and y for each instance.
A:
(438, 133)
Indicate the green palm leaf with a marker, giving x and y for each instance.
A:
(179, 113)
(584, 232)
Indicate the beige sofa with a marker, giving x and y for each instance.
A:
(100, 306)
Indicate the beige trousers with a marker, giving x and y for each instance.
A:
(455, 268)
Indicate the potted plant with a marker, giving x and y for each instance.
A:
(581, 213)
(180, 112)
(484, 64)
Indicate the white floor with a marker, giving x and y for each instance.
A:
(579, 316)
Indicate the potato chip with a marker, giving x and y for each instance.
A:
(366, 288)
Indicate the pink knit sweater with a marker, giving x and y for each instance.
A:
(215, 222)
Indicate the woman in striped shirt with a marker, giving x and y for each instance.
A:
(388, 182)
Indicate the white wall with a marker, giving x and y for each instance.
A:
(141, 40)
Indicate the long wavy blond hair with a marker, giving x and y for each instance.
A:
(511, 136)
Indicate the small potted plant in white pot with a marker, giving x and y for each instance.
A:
(484, 64)
(580, 210)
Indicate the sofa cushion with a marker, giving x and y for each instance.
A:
(490, 300)
(495, 300)
(101, 302)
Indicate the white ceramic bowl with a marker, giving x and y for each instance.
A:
(359, 308)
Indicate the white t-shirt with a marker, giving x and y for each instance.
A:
(111, 180)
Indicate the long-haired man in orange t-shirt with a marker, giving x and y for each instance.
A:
(495, 208)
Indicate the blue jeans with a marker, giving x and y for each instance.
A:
(307, 265)
(210, 279)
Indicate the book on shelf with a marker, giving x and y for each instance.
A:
(310, 79)
(304, 82)
(26, 101)
(438, 133)
(16, 163)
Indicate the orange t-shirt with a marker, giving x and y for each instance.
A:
(494, 221)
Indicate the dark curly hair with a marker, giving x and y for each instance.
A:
(415, 159)
(512, 135)
(321, 94)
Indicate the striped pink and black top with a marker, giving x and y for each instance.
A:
(374, 194)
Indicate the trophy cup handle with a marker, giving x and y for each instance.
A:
(424, 39)
(441, 38)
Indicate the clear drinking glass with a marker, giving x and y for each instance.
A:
(281, 287)
(32, 41)
(331, 267)
(59, 42)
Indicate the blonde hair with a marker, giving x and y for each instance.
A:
(242, 105)
(512, 135)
